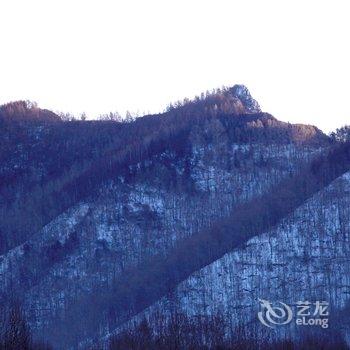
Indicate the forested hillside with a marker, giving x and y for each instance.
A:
(50, 163)
(100, 220)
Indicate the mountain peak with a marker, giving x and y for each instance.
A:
(242, 93)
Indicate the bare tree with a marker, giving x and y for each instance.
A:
(14, 330)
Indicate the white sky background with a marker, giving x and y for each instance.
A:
(100, 56)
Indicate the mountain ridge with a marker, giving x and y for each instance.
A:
(75, 152)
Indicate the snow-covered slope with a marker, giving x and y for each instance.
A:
(93, 243)
(306, 257)
(86, 205)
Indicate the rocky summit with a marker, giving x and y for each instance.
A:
(242, 92)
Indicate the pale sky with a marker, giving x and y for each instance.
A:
(106, 55)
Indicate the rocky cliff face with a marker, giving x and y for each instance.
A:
(241, 92)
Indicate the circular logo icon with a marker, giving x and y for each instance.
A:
(271, 316)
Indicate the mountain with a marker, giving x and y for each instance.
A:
(50, 164)
(104, 222)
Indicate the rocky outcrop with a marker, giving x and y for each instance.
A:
(243, 94)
